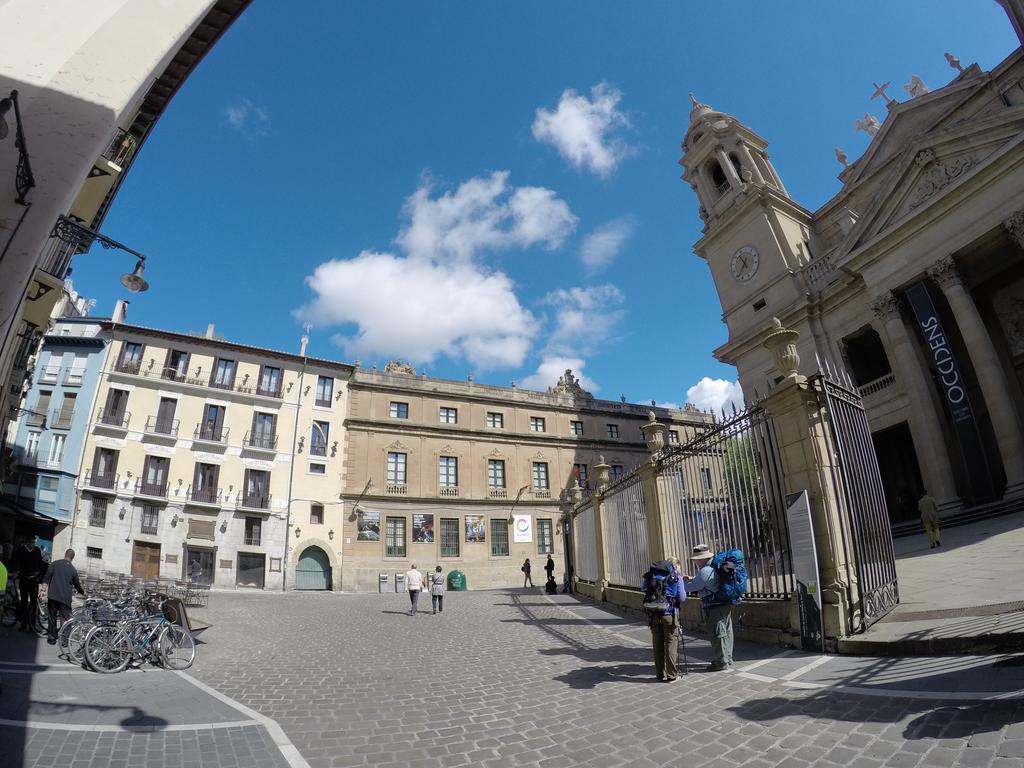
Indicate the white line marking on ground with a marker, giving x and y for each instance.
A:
(584, 619)
(128, 728)
(46, 671)
(764, 662)
(759, 678)
(281, 740)
(807, 668)
(864, 690)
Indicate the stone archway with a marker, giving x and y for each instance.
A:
(329, 560)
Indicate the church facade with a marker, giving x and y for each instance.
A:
(910, 280)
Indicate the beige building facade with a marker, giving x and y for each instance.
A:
(910, 281)
(205, 459)
(475, 477)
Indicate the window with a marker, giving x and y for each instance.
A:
(256, 489)
(66, 412)
(495, 420)
(270, 382)
(613, 430)
(316, 514)
(576, 427)
(51, 372)
(263, 428)
(540, 476)
(204, 483)
(253, 529)
(164, 422)
(449, 537)
(38, 415)
(98, 513)
(130, 360)
(94, 553)
(32, 445)
(113, 412)
(448, 471)
(448, 415)
(47, 483)
(317, 469)
(398, 410)
(150, 519)
(545, 541)
(536, 423)
(324, 391)
(104, 468)
(499, 537)
(579, 472)
(496, 473)
(212, 427)
(617, 472)
(154, 476)
(396, 468)
(394, 537)
(673, 437)
(223, 376)
(56, 449)
(705, 478)
(318, 438)
(175, 365)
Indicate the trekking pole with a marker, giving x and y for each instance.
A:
(682, 642)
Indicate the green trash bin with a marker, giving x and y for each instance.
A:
(457, 581)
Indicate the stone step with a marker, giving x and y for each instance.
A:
(972, 515)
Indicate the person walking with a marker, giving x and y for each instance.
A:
(437, 590)
(60, 577)
(526, 573)
(718, 613)
(549, 568)
(28, 562)
(414, 583)
(930, 517)
(662, 594)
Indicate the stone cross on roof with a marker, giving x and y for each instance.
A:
(880, 91)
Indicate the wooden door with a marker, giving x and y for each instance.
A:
(146, 561)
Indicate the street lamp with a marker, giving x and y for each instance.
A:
(23, 180)
(80, 237)
(519, 495)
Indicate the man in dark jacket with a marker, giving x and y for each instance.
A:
(60, 578)
(28, 562)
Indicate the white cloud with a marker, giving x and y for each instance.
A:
(551, 369)
(584, 318)
(484, 213)
(601, 246)
(249, 119)
(582, 129)
(713, 394)
(418, 309)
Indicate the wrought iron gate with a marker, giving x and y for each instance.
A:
(859, 490)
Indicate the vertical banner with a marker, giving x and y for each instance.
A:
(954, 391)
(805, 571)
(522, 529)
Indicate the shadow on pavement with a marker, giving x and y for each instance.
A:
(19, 648)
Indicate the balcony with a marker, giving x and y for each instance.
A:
(73, 377)
(260, 441)
(131, 367)
(448, 491)
(156, 425)
(209, 433)
(269, 391)
(95, 481)
(121, 149)
(216, 383)
(49, 376)
(61, 419)
(254, 501)
(322, 403)
(494, 492)
(203, 497)
(36, 419)
(876, 386)
(152, 490)
(252, 538)
(397, 489)
(113, 418)
(542, 493)
(173, 374)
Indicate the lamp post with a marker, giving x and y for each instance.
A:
(79, 238)
(24, 180)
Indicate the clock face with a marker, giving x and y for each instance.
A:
(745, 263)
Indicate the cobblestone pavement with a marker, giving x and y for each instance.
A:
(502, 678)
(513, 678)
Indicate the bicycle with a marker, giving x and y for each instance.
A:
(9, 603)
(111, 648)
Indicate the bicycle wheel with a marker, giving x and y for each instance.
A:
(76, 641)
(107, 649)
(64, 635)
(177, 648)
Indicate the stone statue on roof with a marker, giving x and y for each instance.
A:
(916, 87)
(400, 367)
(869, 124)
(568, 385)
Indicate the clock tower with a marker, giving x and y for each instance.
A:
(755, 238)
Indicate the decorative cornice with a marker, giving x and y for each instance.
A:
(946, 273)
(1015, 226)
(886, 306)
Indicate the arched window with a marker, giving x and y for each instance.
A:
(718, 178)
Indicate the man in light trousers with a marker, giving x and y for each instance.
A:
(719, 616)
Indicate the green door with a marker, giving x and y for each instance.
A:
(313, 571)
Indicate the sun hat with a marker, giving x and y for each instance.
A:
(701, 552)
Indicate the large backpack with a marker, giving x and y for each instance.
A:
(732, 578)
(656, 602)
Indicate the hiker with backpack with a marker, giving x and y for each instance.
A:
(662, 591)
(720, 584)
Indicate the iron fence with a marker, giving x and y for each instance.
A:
(585, 544)
(624, 510)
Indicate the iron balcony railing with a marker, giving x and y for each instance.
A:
(61, 419)
(161, 426)
(253, 501)
(261, 441)
(107, 481)
(114, 418)
(131, 367)
(36, 419)
(211, 433)
(203, 496)
(121, 148)
(57, 255)
(273, 390)
(252, 539)
(217, 384)
(323, 403)
(156, 490)
(149, 524)
(169, 373)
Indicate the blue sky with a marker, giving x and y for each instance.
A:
(493, 187)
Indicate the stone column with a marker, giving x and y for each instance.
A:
(991, 377)
(748, 162)
(703, 188)
(728, 168)
(922, 415)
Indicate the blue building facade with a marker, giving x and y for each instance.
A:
(52, 425)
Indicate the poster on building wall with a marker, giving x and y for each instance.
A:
(476, 528)
(423, 529)
(805, 571)
(522, 529)
(368, 526)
